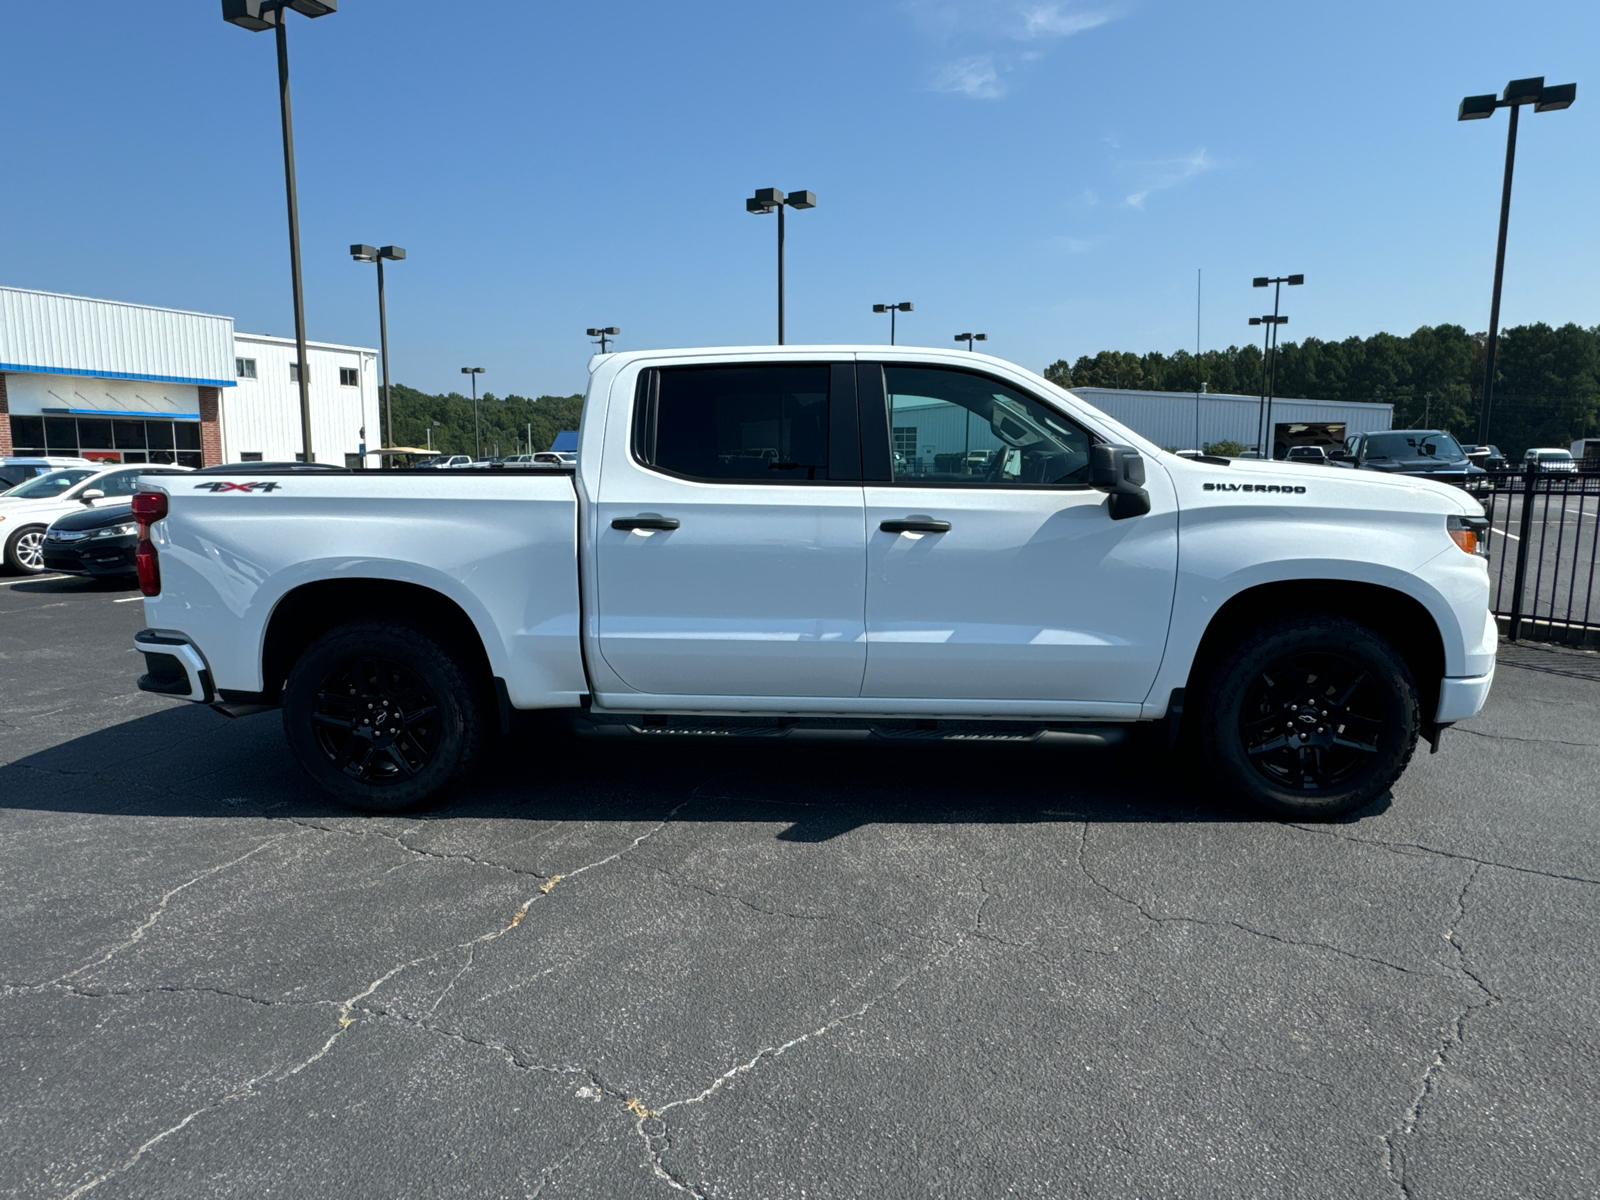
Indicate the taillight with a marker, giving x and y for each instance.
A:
(148, 508)
(148, 566)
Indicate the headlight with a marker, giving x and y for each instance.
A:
(1470, 533)
(127, 530)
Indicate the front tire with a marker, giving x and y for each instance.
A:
(382, 716)
(25, 550)
(1310, 719)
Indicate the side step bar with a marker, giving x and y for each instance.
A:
(590, 724)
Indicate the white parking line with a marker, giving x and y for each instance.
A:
(29, 579)
(127, 600)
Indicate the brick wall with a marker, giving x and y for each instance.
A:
(5, 419)
(210, 429)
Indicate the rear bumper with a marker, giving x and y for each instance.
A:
(1462, 698)
(173, 667)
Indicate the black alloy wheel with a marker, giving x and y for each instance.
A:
(382, 715)
(376, 721)
(1310, 719)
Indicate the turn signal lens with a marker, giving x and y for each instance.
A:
(1471, 534)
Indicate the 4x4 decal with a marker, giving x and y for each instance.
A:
(238, 487)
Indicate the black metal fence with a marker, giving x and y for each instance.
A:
(1544, 542)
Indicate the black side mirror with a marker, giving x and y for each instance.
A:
(1119, 471)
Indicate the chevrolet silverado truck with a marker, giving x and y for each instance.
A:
(829, 541)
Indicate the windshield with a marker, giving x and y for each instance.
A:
(47, 486)
(1401, 444)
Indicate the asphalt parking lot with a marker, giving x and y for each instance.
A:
(791, 971)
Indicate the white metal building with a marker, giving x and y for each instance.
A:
(122, 382)
(1182, 420)
(261, 416)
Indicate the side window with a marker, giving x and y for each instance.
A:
(121, 483)
(955, 428)
(757, 424)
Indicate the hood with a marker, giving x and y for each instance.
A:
(1358, 489)
(94, 518)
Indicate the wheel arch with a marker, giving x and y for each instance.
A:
(1401, 619)
(305, 613)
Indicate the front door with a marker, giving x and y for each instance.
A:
(993, 570)
(731, 551)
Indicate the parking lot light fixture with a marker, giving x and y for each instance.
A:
(604, 334)
(1269, 361)
(892, 310)
(374, 254)
(768, 200)
(258, 16)
(477, 435)
(1477, 108)
(969, 338)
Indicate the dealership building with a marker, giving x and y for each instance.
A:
(116, 382)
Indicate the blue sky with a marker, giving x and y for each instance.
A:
(1050, 173)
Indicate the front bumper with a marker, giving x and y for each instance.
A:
(1460, 698)
(173, 667)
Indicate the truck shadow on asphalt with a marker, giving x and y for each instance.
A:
(190, 762)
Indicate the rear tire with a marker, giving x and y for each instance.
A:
(1310, 719)
(381, 716)
(25, 550)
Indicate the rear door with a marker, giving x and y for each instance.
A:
(731, 552)
(994, 572)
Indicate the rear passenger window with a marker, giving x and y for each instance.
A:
(758, 424)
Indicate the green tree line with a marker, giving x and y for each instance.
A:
(507, 422)
(1546, 392)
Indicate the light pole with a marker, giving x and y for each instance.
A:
(256, 16)
(1269, 341)
(605, 335)
(892, 310)
(772, 200)
(432, 425)
(477, 439)
(1271, 378)
(969, 338)
(372, 254)
(1476, 108)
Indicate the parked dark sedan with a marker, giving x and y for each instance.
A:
(97, 541)
(1429, 453)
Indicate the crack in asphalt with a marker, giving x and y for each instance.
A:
(346, 1008)
(1394, 1162)
(657, 1138)
(399, 840)
(1507, 737)
(1403, 847)
(1202, 921)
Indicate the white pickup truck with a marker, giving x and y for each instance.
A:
(850, 540)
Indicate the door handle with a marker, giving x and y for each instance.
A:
(645, 523)
(915, 525)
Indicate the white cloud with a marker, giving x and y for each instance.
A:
(1000, 37)
(1059, 20)
(974, 76)
(1161, 174)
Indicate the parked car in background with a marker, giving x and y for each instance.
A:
(1425, 453)
(1315, 455)
(19, 470)
(1490, 458)
(1550, 458)
(1586, 453)
(555, 458)
(94, 541)
(29, 509)
(447, 462)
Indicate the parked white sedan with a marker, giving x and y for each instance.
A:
(27, 510)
